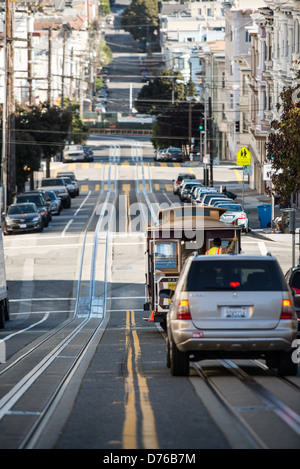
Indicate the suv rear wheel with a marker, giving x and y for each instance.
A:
(179, 361)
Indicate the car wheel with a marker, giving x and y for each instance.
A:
(41, 228)
(285, 365)
(179, 361)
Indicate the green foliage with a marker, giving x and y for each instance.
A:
(283, 145)
(161, 93)
(172, 127)
(140, 19)
(104, 53)
(104, 7)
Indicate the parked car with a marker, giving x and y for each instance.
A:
(200, 193)
(215, 200)
(179, 179)
(160, 154)
(186, 188)
(174, 154)
(57, 185)
(69, 185)
(39, 199)
(206, 198)
(293, 279)
(182, 184)
(227, 306)
(55, 201)
(235, 212)
(191, 191)
(72, 176)
(22, 217)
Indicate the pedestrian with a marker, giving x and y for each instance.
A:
(217, 249)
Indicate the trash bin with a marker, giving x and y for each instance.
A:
(264, 215)
(288, 220)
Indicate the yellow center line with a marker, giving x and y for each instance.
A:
(130, 425)
(238, 176)
(148, 427)
(129, 428)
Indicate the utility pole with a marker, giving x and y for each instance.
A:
(211, 182)
(9, 156)
(63, 68)
(49, 65)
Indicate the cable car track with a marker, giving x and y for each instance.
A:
(59, 353)
(269, 401)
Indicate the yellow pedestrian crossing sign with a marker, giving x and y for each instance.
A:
(243, 157)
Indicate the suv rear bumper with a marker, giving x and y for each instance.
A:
(235, 341)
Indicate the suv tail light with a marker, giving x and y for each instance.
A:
(184, 310)
(242, 216)
(296, 290)
(286, 310)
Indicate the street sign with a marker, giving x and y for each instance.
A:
(248, 170)
(243, 157)
(268, 171)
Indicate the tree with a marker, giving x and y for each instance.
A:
(48, 126)
(161, 93)
(283, 145)
(28, 157)
(174, 127)
(140, 19)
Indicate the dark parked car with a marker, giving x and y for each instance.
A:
(293, 279)
(22, 217)
(39, 199)
(55, 201)
(174, 154)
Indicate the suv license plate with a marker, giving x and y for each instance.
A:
(236, 312)
(23, 225)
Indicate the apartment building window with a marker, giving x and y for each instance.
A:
(231, 101)
(244, 123)
(199, 11)
(223, 112)
(223, 80)
(247, 36)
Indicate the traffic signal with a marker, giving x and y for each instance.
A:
(201, 125)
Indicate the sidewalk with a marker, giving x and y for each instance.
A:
(251, 200)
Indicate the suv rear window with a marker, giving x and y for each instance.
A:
(245, 275)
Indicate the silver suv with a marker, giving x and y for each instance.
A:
(231, 306)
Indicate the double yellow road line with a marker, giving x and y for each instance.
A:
(135, 381)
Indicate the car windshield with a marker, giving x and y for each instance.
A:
(52, 182)
(52, 195)
(18, 209)
(36, 199)
(165, 255)
(243, 275)
(232, 207)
